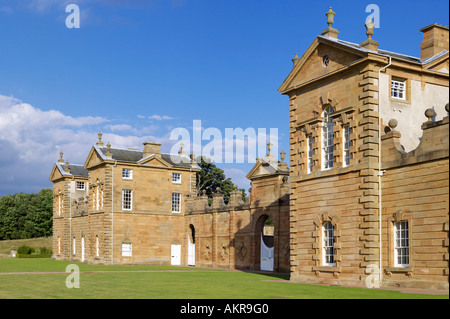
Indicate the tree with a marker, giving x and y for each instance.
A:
(26, 215)
(210, 177)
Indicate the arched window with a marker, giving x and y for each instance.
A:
(328, 244)
(327, 139)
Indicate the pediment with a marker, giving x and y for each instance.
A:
(441, 64)
(93, 159)
(312, 64)
(55, 174)
(261, 169)
(155, 160)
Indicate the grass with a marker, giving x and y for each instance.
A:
(187, 283)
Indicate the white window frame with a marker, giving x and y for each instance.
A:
(127, 199)
(398, 89)
(176, 203)
(309, 153)
(176, 178)
(327, 139)
(127, 249)
(97, 196)
(74, 246)
(347, 143)
(328, 251)
(97, 246)
(81, 186)
(59, 204)
(59, 245)
(127, 173)
(401, 244)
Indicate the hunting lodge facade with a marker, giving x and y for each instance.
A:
(365, 196)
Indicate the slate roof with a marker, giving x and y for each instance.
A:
(396, 55)
(132, 156)
(75, 170)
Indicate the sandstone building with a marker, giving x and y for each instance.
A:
(368, 171)
(139, 207)
(364, 201)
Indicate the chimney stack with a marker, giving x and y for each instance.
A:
(151, 148)
(435, 40)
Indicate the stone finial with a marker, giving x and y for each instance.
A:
(99, 142)
(181, 152)
(330, 17)
(393, 124)
(66, 168)
(370, 44)
(447, 108)
(295, 59)
(430, 113)
(330, 31)
(108, 150)
(218, 190)
(282, 155)
(61, 160)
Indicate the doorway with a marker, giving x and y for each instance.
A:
(191, 246)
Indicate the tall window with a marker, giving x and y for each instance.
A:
(127, 197)
(59, 204)
(74, 250)
(327, 139)
(97, 248)
(398, 89)
(401, 244)
(310, 152)
(176, 202)
(328, 244)
(97, 196)
(347, 143)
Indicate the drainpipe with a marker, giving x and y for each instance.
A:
(380, 172)
(112, 212)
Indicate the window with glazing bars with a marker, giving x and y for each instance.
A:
(176, 202)
(328, 244)
(347, 143)
(327, 139)
(401, 244)
(310, 152)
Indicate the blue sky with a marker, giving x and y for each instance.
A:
(138, 69)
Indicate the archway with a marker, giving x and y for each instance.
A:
(191, 245)
(264, 236)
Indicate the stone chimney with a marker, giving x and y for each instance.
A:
(151, 148)
(435, 40)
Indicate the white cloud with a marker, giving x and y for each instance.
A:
(160, 117)
(31, 139)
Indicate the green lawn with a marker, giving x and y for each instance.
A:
(180, 283)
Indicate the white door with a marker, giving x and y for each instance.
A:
(266, 256)
(191, 252)
(175, 255)
(82, 249)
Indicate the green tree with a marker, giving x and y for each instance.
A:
(26, 215)
(210, 177)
